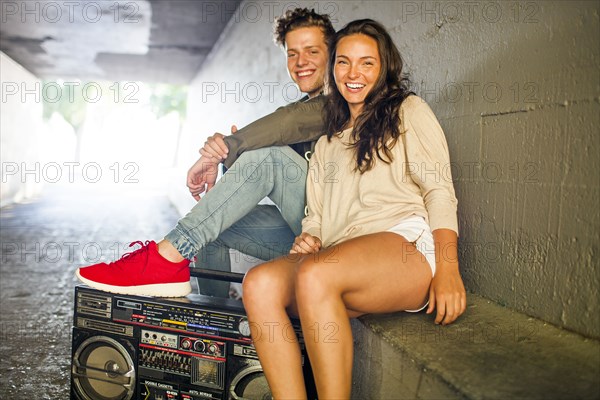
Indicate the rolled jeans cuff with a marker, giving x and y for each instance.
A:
(182, 243)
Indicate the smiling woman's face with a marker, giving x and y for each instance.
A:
(356, 69)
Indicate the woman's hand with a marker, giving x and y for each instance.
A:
(447, 291)
(306, 243)
(447, 294)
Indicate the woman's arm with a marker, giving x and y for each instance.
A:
(311, 224)
(447, 291)
(429, 163)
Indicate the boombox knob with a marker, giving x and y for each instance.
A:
(186, 344)
(199, 346)
(244, 327)
(213, 348)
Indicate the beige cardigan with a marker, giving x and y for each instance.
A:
(343, 204)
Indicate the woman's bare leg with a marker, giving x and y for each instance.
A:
(268, 298)
(375, 273)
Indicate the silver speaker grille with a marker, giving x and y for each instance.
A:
(103, 370)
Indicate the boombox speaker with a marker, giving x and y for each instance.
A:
(103, 366)
(143, 348)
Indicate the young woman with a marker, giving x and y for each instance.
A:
(381, 230)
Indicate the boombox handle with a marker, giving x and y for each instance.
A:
(216, 275)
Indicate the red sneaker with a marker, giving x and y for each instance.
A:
(142, 272)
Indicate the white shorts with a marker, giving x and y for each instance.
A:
(416, 230)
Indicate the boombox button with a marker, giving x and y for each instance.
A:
(163, 338)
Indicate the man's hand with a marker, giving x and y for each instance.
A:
(215, 147)
(306, 244)
(202, 176)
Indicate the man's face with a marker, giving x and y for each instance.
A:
(307, 58)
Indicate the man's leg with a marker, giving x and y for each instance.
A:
(276, 172)
(263, 234)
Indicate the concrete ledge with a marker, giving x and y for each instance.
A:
(491, 352)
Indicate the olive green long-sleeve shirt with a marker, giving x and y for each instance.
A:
(298, 124)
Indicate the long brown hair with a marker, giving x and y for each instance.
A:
(379, 119)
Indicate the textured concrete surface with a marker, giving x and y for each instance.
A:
(491, 352)
(156, 41)
(42, 243)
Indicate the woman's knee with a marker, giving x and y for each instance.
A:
(262, 286)
(255, 282)
(313, 280)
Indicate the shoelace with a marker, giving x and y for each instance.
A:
(132, 255)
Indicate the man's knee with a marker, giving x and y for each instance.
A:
(252, 166)
(254, 156)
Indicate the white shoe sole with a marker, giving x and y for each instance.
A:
(180, 289)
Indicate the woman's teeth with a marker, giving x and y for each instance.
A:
(355, 85)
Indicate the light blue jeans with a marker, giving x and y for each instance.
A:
(228, 215)
(262, 233)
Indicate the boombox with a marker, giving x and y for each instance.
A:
(196, 347)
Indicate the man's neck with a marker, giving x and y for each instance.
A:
(314, 94)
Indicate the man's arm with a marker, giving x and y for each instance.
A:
(295, 123)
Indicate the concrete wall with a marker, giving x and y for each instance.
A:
(516, 88)
(20, 132)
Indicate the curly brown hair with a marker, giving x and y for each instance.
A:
(302, 18)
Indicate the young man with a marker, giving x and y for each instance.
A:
(260, 164)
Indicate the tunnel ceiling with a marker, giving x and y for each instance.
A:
(153, 41)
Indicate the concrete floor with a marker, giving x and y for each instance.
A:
(42, 243)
